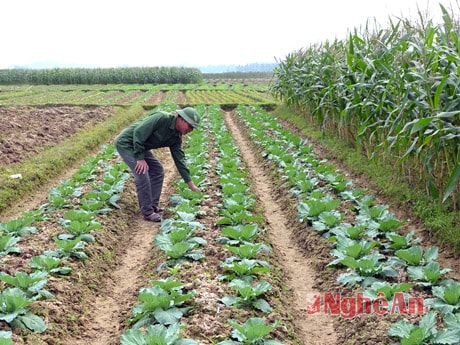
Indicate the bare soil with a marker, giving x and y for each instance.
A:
(25, 131)
(93, 304)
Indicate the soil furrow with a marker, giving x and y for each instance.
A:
(299, 274)
(109, 311)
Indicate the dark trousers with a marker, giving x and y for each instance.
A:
(148, 185)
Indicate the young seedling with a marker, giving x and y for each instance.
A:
(156, 334)
(253, 332)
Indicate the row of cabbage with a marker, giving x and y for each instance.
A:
(164, 305)
(77, 212)
(364, 235)
(239, 235)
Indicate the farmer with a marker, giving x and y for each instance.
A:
(134, 144)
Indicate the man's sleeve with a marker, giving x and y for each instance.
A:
(179, 159)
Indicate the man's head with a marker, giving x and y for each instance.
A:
(188, 119)
(190, 115)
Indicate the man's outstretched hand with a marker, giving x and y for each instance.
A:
(192, 186)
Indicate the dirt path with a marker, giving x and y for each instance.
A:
(317, 329)
(108, 311)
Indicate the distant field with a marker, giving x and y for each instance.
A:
(229, 92)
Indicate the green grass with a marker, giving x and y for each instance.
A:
(440, 222)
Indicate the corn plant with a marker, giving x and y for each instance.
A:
(89, 76)
(392, 92)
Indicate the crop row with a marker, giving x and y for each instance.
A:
(364, 237)
(392, 92)
(91, 76)
(227, 96)
(141, 95)
(162, 306)
(177, 240)
(75, 206)
(239, 235)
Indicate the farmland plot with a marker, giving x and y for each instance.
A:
(378, 262)
(94, 304)
(102, 95)
(26, 130)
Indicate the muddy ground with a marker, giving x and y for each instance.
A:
(93, 304)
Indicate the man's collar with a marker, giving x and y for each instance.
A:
(173, 125)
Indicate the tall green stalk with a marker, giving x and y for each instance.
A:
(393, 92)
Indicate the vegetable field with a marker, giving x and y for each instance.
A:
(147, 95)
(281, 246)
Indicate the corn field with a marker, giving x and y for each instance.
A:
(393, 92)
(91, 76)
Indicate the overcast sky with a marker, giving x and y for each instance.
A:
(109, 33)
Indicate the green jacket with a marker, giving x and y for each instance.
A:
(155, 131)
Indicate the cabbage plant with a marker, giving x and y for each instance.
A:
(253, 332)
(14, 310)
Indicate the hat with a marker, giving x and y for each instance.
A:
(190, 115)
